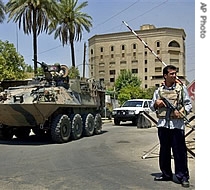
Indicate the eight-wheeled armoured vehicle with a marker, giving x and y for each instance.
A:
(52, 105)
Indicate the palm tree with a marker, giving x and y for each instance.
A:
(70, 23)
(2, 11)
(34, 16)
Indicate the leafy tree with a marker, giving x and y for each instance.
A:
(34, 16)
(29, 68)
(149, 92)
(126, 78)
(2, 11)
(130, 92)
(12, 65)
(70, 22)
(74, 73)
(128, 86)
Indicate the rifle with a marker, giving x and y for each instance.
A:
(171, 108)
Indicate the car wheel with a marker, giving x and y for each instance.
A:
(116, 121)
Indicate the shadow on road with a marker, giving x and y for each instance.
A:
(38, 140)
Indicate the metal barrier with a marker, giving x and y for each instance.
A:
(192, 129)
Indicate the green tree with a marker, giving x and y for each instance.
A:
(126, 78)
(34, 16)
(12, 65)
(74, 73)
(70, 23)
(2, 11)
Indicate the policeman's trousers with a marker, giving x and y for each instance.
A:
(173, 139)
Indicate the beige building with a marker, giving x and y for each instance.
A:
(110, 54)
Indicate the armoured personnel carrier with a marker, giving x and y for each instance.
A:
(52, 105)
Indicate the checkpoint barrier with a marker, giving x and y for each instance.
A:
(143, 122)
(192, 129)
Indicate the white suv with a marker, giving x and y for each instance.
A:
(130, 110)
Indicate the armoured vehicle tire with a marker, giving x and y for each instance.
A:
(89, 125)
(98, 124)
(6, 133)
(77, 128)
(116, 121)
(22, 133)
(61, 128)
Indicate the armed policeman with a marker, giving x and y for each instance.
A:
(171, 126)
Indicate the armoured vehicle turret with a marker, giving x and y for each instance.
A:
(52, 105)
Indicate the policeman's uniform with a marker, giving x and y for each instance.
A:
(171, 131)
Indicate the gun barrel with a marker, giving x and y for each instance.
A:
(41, 63)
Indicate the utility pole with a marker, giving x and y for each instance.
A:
(84, 61)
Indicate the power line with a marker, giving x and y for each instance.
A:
(116, 14)
(149, 10)
(142, 14)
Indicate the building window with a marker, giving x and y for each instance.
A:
(158, 51)
(134, 71)
(158, 69)
(112, 48)
(112, 72)
(101, 56)
(111, 79)
(102, 49)
(101, 72)
(101, 80)
(123, 47)
(145, 53)
(91, 51)
(145, 61)
(145, 78)
(101, 64)
(157, 85)
(157, 60)
(134, 54)
(173, 61)
(122, 62)
(123, 55)
(158, 44)
(174, 44)
(134, 46)
(111, 63)
(134, 61)
(112, 56)
(122, 71)
(145, 70)
(145, 86)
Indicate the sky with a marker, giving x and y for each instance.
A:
(107, 17)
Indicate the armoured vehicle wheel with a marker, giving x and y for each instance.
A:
(116, 121)
(98, 124)
(89, 125)
(22, 133)
(6, 133)
(61, 129)
(77, 128)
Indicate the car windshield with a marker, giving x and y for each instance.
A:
(133, 104)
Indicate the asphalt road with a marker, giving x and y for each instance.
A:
(109, 161)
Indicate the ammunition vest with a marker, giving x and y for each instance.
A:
(174, 96)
